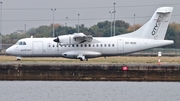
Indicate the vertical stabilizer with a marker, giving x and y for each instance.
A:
(156, 27)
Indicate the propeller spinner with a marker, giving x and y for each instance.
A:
(56, 40)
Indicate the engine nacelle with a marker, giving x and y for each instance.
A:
(75, 38)
(66, 40)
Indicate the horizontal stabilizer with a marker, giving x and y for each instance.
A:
(164, 10)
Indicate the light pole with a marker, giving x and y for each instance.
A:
(1, 28)
(111, 21)
(53, 9)
(78, 22)
(114, 19)
(66, 21)
(24, 28)
(134, 22)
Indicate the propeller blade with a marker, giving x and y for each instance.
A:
(83, 41)
(56, 40)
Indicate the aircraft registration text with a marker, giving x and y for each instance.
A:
(130, 43)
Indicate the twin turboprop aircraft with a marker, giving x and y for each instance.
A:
(81, 46)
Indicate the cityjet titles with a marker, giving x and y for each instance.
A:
(25, 50)
(158, 22)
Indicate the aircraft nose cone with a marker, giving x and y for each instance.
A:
(9, 51)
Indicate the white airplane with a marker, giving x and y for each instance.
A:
(81, 46)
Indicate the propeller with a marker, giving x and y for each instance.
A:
(56, 40)
(83, 41)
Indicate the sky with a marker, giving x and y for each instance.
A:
(27, 14)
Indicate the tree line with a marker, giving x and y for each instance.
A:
(101, 29)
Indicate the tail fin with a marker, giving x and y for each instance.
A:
(156, 27)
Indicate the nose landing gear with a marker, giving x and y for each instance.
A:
(18, 58)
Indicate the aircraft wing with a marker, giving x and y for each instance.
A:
(80, 37)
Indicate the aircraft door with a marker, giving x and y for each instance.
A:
(120, 47)
(37, 47)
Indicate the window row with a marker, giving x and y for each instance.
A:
(85, 45)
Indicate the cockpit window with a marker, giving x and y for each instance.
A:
(24, 43)
(21, 43)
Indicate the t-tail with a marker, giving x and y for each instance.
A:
(155, 28)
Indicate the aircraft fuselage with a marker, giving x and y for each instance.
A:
(110, 46)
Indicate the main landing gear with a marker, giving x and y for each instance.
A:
(82, 57)
(83, 60)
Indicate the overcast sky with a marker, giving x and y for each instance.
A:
(33, 13)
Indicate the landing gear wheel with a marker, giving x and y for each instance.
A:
(81, 59)
(18, 58)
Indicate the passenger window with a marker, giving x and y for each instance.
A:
(109, 45)
(113, 45)
(93, 45)
(53, 45)
(97, 45)
(73, 45)
(77, 45)
(85, 45)
(104, 45)
(89, 45)
(101, 45)
(81, 45)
